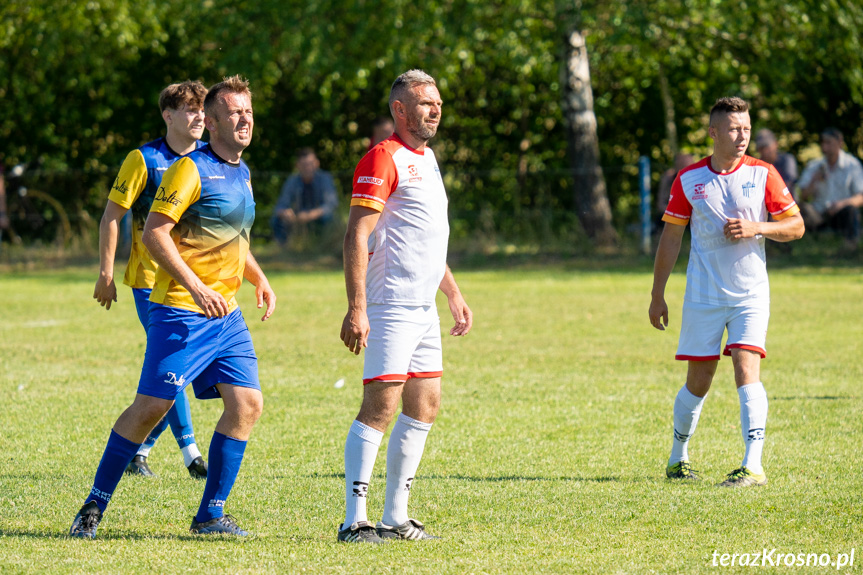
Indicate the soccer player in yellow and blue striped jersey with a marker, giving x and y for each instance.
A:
(198, 233)
(140, 176)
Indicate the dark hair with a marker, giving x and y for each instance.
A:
(232, 84)
(303, 152)
(832, 132)
(174, 96)
(728, 105)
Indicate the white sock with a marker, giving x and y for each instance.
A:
(404, 452)
(190, 453)
(753, 420)
(361, 450)
(144, 450)
(687, 410)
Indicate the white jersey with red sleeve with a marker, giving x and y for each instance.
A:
(722, 271)
(407, 251)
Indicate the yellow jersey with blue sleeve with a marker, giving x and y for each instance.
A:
(134, 189)
(211, 200)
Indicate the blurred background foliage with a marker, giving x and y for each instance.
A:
(79, 85)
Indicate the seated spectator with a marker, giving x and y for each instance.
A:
(382, 128)
(308, 198)
(768, 150)
(833, 186)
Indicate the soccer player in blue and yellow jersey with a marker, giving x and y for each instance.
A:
(198, 233)
(182, 107)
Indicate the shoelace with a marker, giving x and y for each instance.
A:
(89, 520)
(229, 521)
(737, 473)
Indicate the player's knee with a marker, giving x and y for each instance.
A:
(251, 407)
(150, 410)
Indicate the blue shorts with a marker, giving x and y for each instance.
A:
(142, 305)
(184, 346)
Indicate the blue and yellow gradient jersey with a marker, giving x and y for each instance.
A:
(211, 201)
(135, 187)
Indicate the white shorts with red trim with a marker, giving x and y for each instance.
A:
(404, 342)
(702, 326)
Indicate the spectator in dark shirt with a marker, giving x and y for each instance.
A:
(308, 198)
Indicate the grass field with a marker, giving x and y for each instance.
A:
(548, 455)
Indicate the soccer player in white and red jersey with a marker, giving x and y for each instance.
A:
(395, 261)
(726, 199)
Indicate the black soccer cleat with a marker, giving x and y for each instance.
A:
(198, 468)
(86, 522)
(138, 466)
(224, 525)
(359, 532)
(410, 529)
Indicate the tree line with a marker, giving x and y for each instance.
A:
(79, 82)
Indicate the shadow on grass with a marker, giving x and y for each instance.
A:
(813, 398)
(113, 535)
(501, 478)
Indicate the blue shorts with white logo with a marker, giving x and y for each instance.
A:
(184, 346)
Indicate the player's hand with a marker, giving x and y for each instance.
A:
(105, 291)
(737, 229)
(461, 314)
(355, 331)
(288, 216)
(265, 294)
(211, 302)
(658, 313)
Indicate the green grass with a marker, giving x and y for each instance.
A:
(548, 455)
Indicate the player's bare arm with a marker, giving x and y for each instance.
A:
(666, 256)
(157, 238)
(784, 230)
(355, 327)
(457, 306)
(105, 291)
(263, 292)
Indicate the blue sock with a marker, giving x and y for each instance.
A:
(226, 455)
(118, 453)
(180, 418)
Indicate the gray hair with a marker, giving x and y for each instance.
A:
(406, 82)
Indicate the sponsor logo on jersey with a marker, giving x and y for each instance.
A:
(700, 192)
(412, 170)
(370, 180)
(785, 192)
(162, 196)
(120, 187)
(172, 379)
(161, 169)
(214, 177)
(747, 189)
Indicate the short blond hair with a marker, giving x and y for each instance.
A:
(232, 84)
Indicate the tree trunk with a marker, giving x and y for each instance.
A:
(668, 108)
(591, 197)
